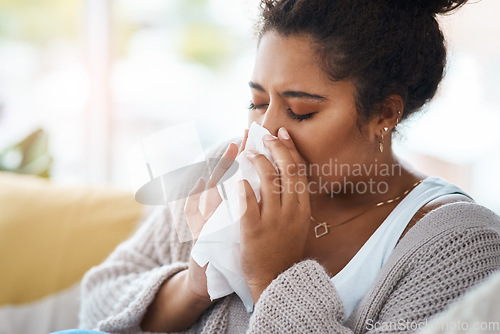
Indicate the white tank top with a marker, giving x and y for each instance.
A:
(354, 280)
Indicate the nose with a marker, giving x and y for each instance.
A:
(272, 119)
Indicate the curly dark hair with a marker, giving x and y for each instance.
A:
(384, 47)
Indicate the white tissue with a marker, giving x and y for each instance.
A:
(219, 241)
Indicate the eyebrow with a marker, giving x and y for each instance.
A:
(290, 93)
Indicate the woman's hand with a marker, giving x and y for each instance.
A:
(274, 231)
(196, 277)
(183, 298)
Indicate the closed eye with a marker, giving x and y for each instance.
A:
(252, 106)
(298, 117)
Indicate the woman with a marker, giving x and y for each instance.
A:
(381, 247)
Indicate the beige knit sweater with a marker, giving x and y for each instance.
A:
(449, 250)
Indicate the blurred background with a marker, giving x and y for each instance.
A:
(81, 81)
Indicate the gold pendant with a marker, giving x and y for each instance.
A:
(318, 232)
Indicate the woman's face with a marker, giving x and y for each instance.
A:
(289, 89)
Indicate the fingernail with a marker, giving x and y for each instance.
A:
(251, 154)
(268, 137)
(283, 134)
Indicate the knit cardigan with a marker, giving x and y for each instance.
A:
(448, 251)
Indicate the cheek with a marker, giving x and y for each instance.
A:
(311, 143)
(318, 145)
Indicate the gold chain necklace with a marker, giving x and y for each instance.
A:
(321, 228)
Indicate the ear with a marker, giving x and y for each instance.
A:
(390, 113)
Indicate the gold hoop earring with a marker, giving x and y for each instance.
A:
(381, 142)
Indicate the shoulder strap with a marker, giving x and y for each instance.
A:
(430, 189)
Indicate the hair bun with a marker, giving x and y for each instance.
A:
(430, 6)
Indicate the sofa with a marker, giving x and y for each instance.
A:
(50, 235)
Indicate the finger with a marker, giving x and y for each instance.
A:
(194, 216)
(288, 170)
(191, 207)
(270, 186)
(248, 202)
(212, 201)
(212, 196)
(244, 142)
(225, 162)
(285, 138)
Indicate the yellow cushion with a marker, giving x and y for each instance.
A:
(50, 235)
